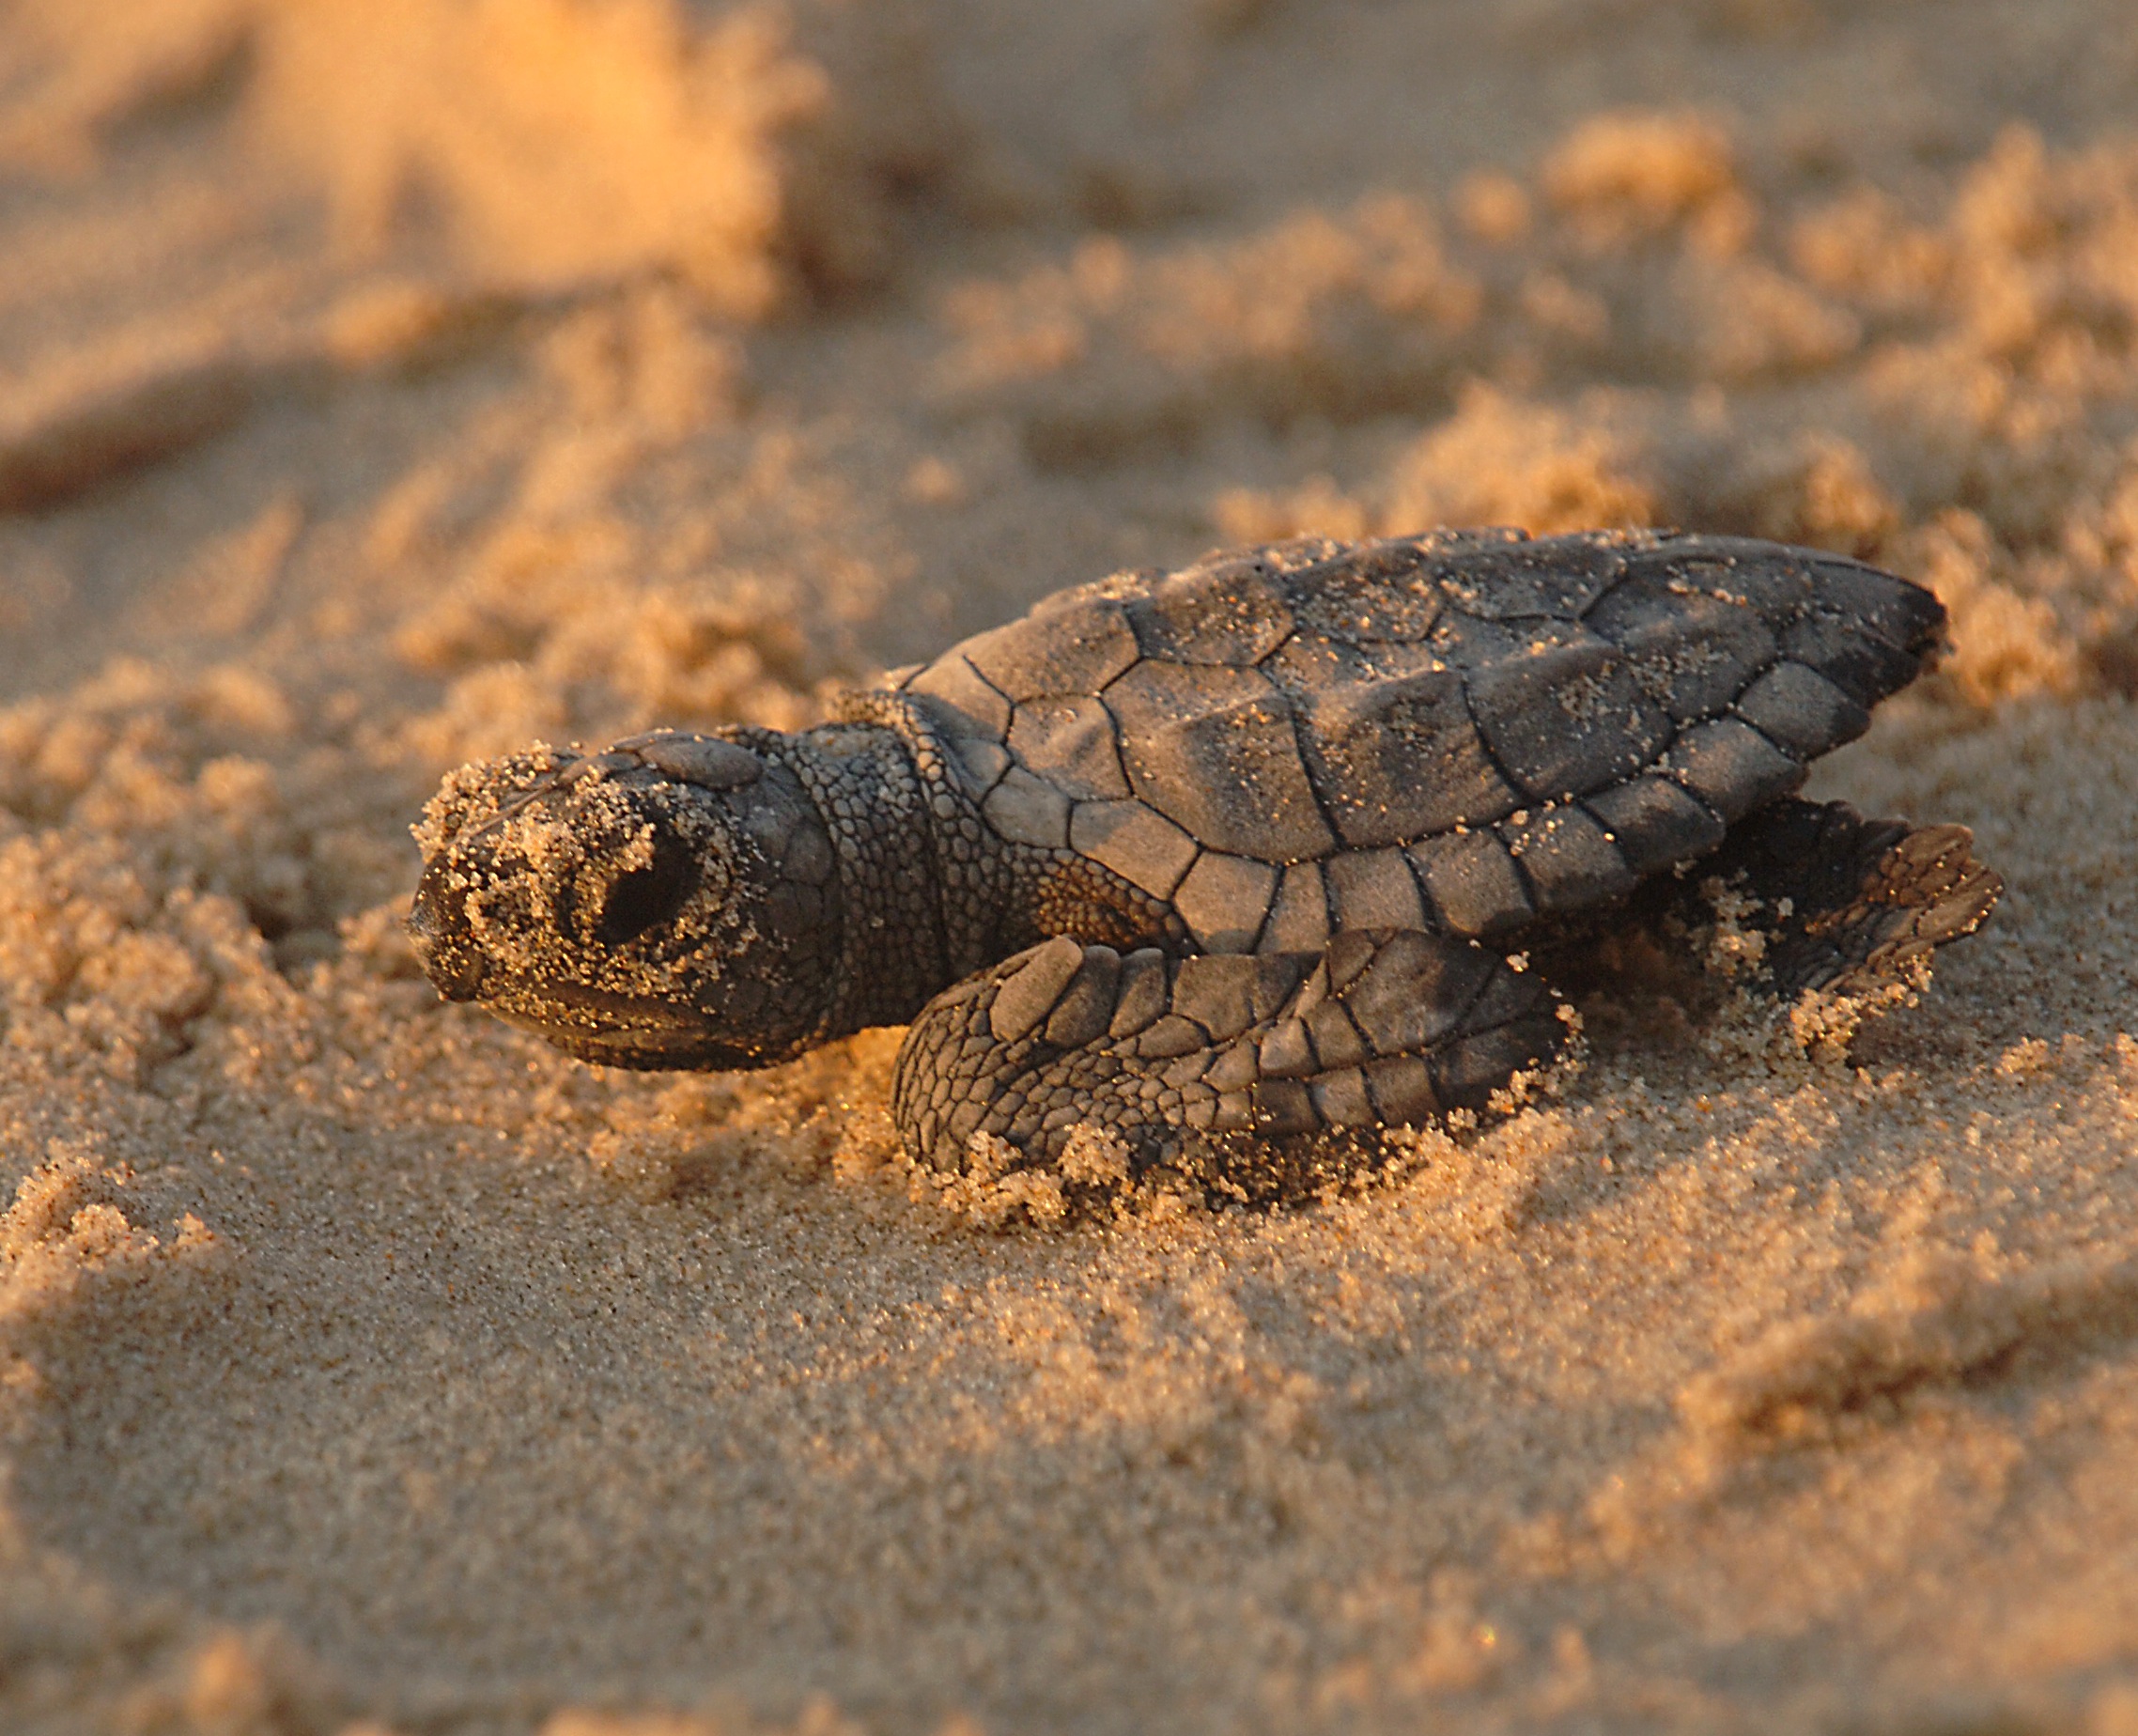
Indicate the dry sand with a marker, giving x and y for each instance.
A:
(386, 384)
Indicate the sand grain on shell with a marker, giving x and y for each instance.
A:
(364, 1366)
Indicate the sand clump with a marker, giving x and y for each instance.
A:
(366, 1367)
(535, 145)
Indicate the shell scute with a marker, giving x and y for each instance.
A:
(1299, 917)
(1656, 823)
(1473, 882)
(1028, 809)
(1905, 615)
(1397, 759)
(1134, 840)
(1566, 717)
(1072, 743)
(1690, 653)
(1231, 613)
(1214, 749)
(1765, 577)
(1557, 578)
(1570, 858)
(1384, 592)
(1123, 587)
(1077, 649)
(1225, 900)
(1732, 767)
(1800, 711)
(1375, 888)
(983, 760)
(1863, 665)
(958, 699)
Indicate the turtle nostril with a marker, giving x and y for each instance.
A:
(645, 897)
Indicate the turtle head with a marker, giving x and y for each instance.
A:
(671, 902)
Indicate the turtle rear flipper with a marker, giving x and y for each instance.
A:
(1064, 1041)
(1865, 898)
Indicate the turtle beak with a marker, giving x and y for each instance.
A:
(438, 929)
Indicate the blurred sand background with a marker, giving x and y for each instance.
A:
(386, 382)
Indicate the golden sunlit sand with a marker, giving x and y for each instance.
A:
(387, 385)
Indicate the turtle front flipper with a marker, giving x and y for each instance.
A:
(1381, 1027)
(1846, 902)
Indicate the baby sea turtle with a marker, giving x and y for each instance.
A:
(1264, 847)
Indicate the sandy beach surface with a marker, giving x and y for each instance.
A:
(385, 383)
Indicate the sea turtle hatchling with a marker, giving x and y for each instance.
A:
(1281, 842)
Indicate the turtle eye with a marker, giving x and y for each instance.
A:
(647, 896)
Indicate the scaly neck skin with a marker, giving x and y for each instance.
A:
(893, 957)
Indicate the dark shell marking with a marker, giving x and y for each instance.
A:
(1243, 848)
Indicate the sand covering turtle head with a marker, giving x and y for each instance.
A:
(671, 902)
